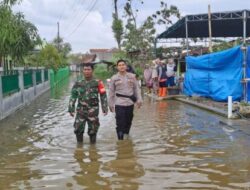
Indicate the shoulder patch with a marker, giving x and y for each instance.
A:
(101, 87)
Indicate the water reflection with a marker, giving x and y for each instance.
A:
(89, 162)
(15, 173)
(125, 169)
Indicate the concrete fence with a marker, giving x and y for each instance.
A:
(23, 94)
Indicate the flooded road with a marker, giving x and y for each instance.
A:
(172, 146)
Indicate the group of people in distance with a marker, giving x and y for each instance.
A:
(160, 75)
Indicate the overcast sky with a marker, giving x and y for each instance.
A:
(86, 24)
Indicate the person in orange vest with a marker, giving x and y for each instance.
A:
(162, 78)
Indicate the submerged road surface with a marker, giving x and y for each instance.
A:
(172, 146)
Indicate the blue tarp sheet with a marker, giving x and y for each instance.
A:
(216, 75)
(248, 73)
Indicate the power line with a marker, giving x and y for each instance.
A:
(75, 29)
(82, 18)
(77, 14)
(61, 15)
(71, 8)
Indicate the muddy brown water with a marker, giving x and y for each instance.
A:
(172, 146)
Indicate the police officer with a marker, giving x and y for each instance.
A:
(87, 92)
(124, 92)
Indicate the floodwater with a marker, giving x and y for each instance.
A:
(172, 146)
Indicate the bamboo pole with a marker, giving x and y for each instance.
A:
(210, 29)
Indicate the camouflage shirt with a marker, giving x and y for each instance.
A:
(86, 92)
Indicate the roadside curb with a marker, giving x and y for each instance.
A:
(182, 98)
(202, 106)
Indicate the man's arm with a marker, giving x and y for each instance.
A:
(103, 97)
(72, 100)
(160, 72)
(137, 93)
(111, 99)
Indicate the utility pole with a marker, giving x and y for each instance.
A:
(58, 35)
(210, 29)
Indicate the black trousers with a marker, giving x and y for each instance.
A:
(124, 117)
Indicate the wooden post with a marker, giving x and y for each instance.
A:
(186, 26)
(210, 29)
(244, 48)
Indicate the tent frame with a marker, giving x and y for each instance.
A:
(240, 15)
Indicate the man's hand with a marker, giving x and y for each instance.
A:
(138, 104)
(112, 109)
(105, 113)
(72, 114)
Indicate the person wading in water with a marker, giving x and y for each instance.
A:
(124, 92)
(87, 92)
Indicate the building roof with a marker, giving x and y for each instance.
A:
(103, 50)
(98, 50)
(88, 58)
(224, 24)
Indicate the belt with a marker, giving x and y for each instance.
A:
(133, 97)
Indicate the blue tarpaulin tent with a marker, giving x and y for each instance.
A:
(216, 75)
(248, 73)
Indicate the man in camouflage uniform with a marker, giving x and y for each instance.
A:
(87, 91)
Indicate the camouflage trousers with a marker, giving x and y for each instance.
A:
(89, 116)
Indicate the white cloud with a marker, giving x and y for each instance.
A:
(90, 28)
(95, 31)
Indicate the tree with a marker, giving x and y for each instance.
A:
(75, 58)
(165, 14)
(26, 38)
(138, 38)
(17, 36)
(50, 58)
(117, 26)
(62, 47)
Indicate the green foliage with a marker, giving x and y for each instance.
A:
(117, 27)
(54, 55)
(63, 48)
(32, 60)
(102, 72)
(139, 72)
(223, 45)
(119, 55)
(50, 58)
(165, 14)
(17, 36)
(75, 58)
(137, 38)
